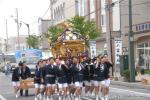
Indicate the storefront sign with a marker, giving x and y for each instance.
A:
(118, 50)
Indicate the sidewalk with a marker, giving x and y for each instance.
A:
(132, 85)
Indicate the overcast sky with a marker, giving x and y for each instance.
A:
(29, 12)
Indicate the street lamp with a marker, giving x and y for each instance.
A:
(18, 27)
(28, 26)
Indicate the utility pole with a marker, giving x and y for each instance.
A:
(6, 36)
(131, 45)
(109, 30)
(29, 34)
(17, 20)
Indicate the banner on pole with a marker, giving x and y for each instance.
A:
(118, 50)
(92, 49)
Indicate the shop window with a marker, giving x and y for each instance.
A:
(141, 45)
(141, 57)
(146, 45)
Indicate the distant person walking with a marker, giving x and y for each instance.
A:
(7, 69)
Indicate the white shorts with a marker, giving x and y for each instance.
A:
(107, 82)
(50, 85)
(40, 86)
(71, 85)
(92, 82)
(16, 83)
(64, 85)
(87, 83)
(98, 83)
(78, 84)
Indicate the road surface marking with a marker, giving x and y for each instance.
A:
(86, 98)
(2, 98)
(139, 93)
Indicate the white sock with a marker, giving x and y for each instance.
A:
(59, 97)
(76, 98)
(47, 97)
(97, 97)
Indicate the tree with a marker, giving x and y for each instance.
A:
(87, 28)
(53, 33)
(33, 41)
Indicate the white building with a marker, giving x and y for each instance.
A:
(44, 24)
(61, 10)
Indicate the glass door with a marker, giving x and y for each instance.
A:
(143, 55)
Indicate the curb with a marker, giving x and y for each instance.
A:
(132, 85)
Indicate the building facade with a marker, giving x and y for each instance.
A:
(96, 10)
(141, 30)
(44, 24)
(61, 10)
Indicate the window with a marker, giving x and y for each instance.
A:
(141, 57)
(82, 8)
(143, 53)
(63, 11)
(141, 45)
(102, 20)
(92, 9)
(146, 26)
(59, 16)
(146, 45)
(143, 27)
(137, 28)
(85, 7)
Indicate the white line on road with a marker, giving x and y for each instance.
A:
(139, 93)
(2, 98)
(86, 98)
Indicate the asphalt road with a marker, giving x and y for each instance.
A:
(116, 92)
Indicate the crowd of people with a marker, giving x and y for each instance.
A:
(67, 78)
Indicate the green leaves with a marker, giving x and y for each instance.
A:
(33, 41)
(87, 28)
(53, 33)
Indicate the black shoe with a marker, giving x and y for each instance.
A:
(21, 92)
